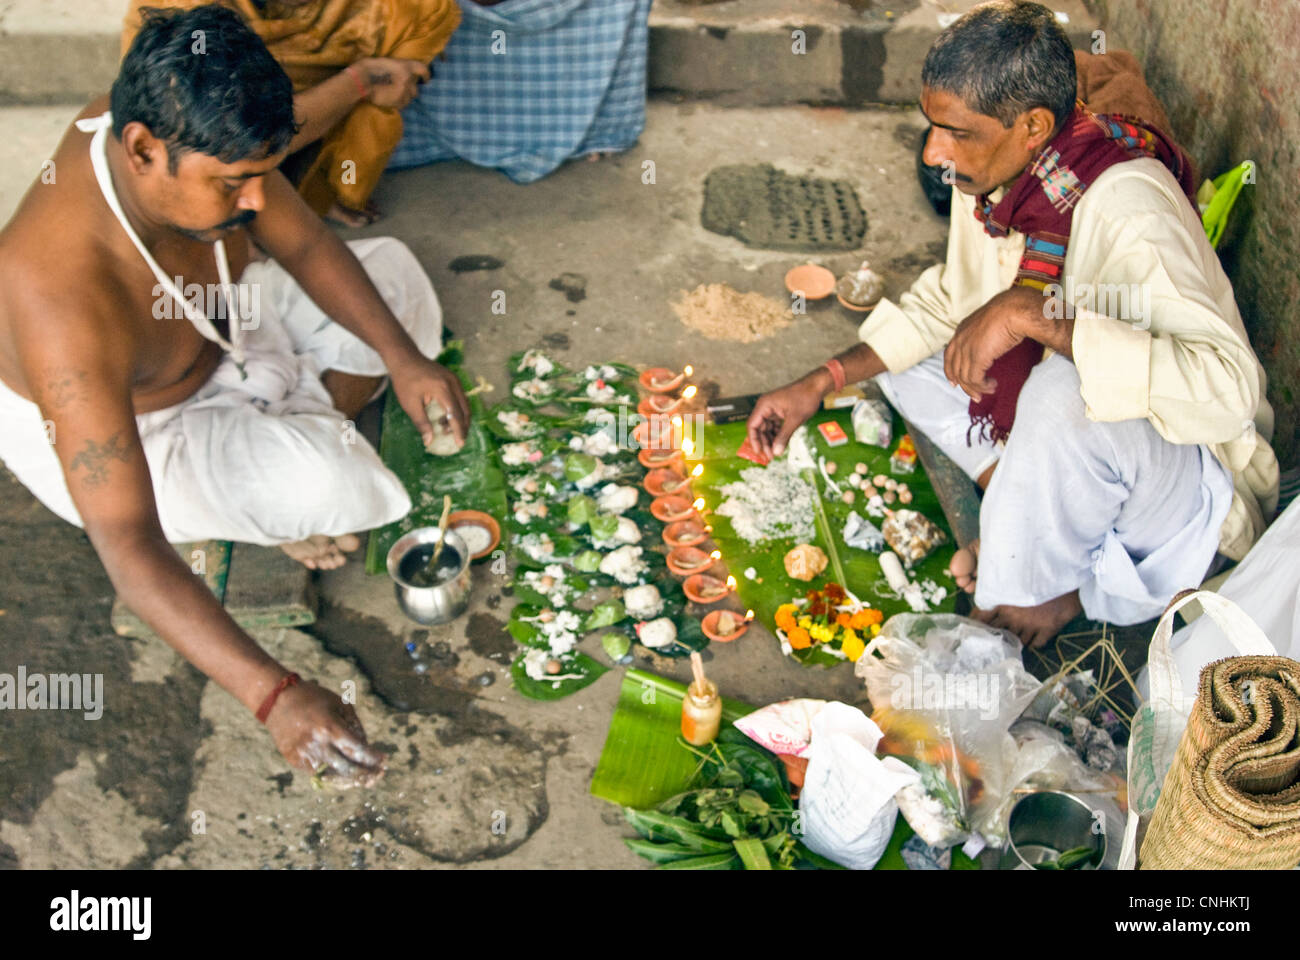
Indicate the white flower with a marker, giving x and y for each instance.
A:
(601, 416)
(537, 362)
(535, 661)
(643, 602)
(616, 499)
(600, 394)
(624, 564)
(533, 389)
(602, 472)
(600, 373)
(517, 454)
(657, 633)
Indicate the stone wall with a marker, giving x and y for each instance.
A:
(1226, 71)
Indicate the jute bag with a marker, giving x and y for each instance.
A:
(1221, 790)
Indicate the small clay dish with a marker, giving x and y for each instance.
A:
(462, 520)
(657, 434)
(660, 457)
(667, 481)
(849, 305)
(687, 561)
(672, 509)
(684, 533)
(658, 404)
(710, 625)
(814, 282)
(700, 587)
(660, 380)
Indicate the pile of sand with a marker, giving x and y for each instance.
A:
(720, 312)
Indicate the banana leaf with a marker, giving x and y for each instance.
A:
(473, 477)
(771, 586)
(589, 670)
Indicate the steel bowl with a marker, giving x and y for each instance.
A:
(442, 602)
(1044, 825)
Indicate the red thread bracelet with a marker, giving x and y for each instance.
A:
(361, 87)
(285, 683)
(837, 373)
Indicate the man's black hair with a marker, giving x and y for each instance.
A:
(203, 82)
(1003, 58)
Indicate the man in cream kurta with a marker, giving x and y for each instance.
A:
(1139, 449)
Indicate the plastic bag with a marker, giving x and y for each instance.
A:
(945, 691)
(848, 802)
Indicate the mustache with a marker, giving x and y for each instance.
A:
(239, 220)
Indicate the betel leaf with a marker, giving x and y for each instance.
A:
(588, 561)
(616, 645)
(604, 615)
(581, 510)
(604, 526)
(586, 669)
(579, 465)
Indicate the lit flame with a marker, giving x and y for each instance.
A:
(688, 446)
(690, 391)
(677, 420)
(699, 469)
(699, 503)
(749, 615)
(731, 583)
(716, 555)
(688, 371)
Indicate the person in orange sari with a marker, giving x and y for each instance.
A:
(354, 65)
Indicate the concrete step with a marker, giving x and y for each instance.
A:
(739, 52)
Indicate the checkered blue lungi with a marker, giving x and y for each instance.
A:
(527, 84)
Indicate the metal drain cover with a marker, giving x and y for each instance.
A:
(762, 206)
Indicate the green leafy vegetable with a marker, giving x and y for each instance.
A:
(604, 526)
(579, 465)
(604, 615)
(581, 509)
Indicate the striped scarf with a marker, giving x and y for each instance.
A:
(1040, 205)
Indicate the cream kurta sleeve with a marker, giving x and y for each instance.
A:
(1159, 335)
(976, 267)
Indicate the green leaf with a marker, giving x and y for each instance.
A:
(604, 526)
(604, 615)
(659, 852)
(588, 670)
(752, 854)
(581, 509)
(579, 465)
(616, 645)
(588, 561)
(654, 825)
(718, 861)
(751, 802)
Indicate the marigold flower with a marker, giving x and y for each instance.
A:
(805, 622)
(799, 639)
(844, 620)
(852, 646)
(823, 633)
(875, 629)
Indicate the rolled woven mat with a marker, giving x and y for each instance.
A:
(1231, 800)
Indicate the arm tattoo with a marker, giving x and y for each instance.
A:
(63, 388)
(95, 458)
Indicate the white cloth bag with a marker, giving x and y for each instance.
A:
(1158, 724)
(847, 799)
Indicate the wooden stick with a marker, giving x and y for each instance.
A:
(697, 668)
(442, 531)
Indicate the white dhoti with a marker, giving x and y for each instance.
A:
(267, 459)
(1112, 510)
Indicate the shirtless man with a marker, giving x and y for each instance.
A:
(146, 419)
(1140, 440)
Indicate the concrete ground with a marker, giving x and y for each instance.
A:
(177, 774)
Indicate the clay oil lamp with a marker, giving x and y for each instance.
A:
(724, 625)
(672, 509)
(653, 458)
(685, 533)
(663, 380)
(687, 561)
(667, 482)
(659, 403)
(702, 588)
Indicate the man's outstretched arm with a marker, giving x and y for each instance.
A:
(332, 276)
(80, 383)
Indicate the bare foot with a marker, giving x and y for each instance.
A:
(1035, 626)
(322, 552)
(598, 156)
(963, 566)
(347, 217)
